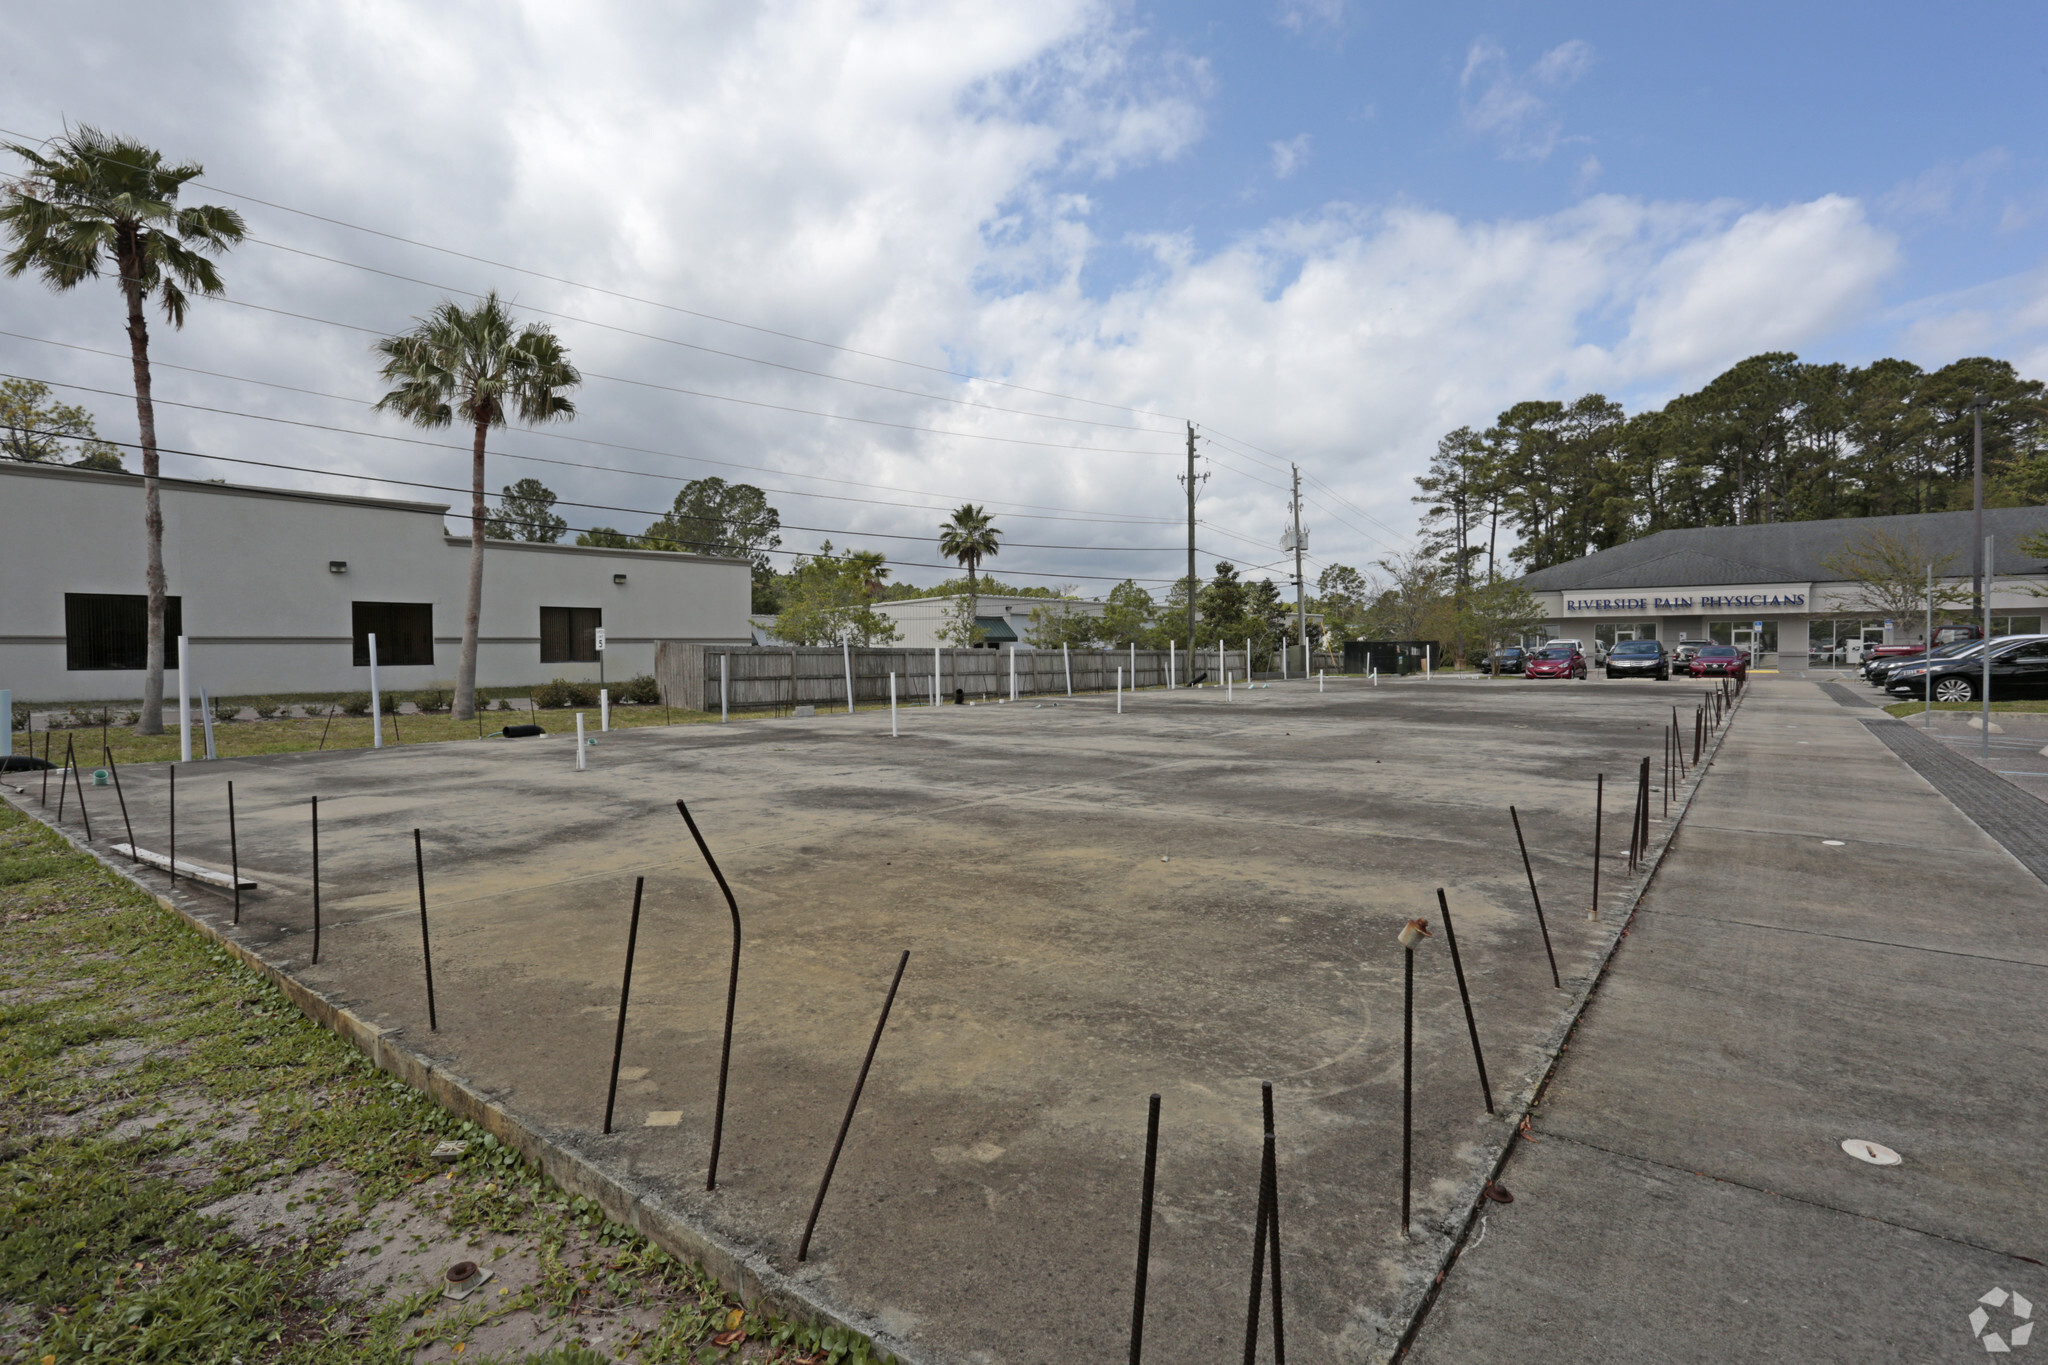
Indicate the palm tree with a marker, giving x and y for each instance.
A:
(94, 202)
(969, 538)
(473, 362)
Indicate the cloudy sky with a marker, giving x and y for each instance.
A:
(883, 258)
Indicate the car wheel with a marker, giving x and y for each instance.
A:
(1955, 689)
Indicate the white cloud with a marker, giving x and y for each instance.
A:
(1288, 156)
(1301, 15)
(1513, 108)
(1947, 189)
(912, 179)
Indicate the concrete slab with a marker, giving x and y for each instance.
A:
(1188, 898)
(1686, 1197)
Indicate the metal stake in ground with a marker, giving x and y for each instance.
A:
(625, 992)
(1443, 905)
(316, 879)
(1534, 895)
(174, 828)
(64, 782)
(732, 994)
(44, 798)
(1599, 798)
(803, 1248)
(234, 855)
(419, 862)
(1643, 842)
(1145, 1232)
(1412, 933)
(1266, 1237)
(126, 824)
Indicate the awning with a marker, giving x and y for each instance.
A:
(996, 630)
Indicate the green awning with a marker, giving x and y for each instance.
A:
(996, 630)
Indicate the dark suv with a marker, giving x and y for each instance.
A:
(1639, 659)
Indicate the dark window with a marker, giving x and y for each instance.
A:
(107, 630)
(404, 631)
(568, 635)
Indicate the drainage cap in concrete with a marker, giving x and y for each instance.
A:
(1876, 1153)
(1832, 843)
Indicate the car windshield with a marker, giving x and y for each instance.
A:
(1718, 652)
(1636, 647)
(1554, 654)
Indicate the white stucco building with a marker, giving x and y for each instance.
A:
(1004, 621)
(276, 591)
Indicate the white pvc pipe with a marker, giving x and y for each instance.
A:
(1172, 663)
(1134, 665)
(846, 652)
(724, 686)
(7, 735)
(1227, 692)
(1427, 676)
(1247, 662)
(206, 721)
(892, 706)
(1013, 672)
(937, 680)
(579, 741)
(1067, 665)
(376, 702)
(1319, 680)
(184, 700)
(604, 709)
(1119, 689)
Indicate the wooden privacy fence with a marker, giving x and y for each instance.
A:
(763, 677)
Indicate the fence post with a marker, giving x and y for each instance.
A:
(1067, 665)
(184, 699)
(376, 701)
(846, 652)
(724, 686)
(1134, 665)
(937, 681)
(892, 706)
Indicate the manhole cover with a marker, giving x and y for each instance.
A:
(1876, 1153)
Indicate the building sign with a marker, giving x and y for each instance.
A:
(1688, 600)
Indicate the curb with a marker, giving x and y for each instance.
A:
(1529, 1093)
(747, 1273)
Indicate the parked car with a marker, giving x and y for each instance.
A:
(1881, 657)
(1507, 660)
(1639, 659)
(1682, 653)
(1596, 652)
(1556, 660)
(1720, 661)
(1878, 672)
(2019, 668)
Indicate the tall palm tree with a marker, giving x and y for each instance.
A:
(474, 362)
(92, 202)
(970, 537)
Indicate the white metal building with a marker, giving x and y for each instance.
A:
(277, 591)
(1004, 621)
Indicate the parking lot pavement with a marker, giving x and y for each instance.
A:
(1831, 951)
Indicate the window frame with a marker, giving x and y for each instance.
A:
(78, 646)
(400, 643)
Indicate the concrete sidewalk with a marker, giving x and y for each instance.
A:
(1685, 1196)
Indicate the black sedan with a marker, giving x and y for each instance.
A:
(2019, 668)
(1639, 659)
(1508, 660)
(1878, 672)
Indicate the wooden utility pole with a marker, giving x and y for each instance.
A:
(1192, 483)
(1300, 587)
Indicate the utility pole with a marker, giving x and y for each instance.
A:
(1300, 587)
(1977, 565)
(1192, 483)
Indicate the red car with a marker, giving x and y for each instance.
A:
(1555, 661)
(1720, 661)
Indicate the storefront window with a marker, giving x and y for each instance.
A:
(1758, 637)
(1608, 633)
(2016, 625)
(1839, 640)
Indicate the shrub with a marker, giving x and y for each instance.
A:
(225, 711)
(553, 695)
(643, 690)
(356, 704)
(19, 720)
(433, 699)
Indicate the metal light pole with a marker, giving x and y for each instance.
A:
(1982, 564)
(1192, 483)
(1984, 735)
(1300, 584)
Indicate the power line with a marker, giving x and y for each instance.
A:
(1077, 515)
(707, 350)
(572, 464)
(653, 303)
(587, 506)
